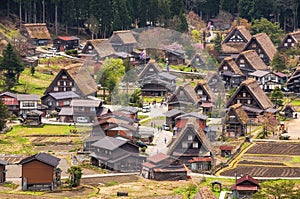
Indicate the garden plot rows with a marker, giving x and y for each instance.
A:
(258, 171)
(268, 160)
(275, 148)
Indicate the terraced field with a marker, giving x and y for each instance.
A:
(275, 159)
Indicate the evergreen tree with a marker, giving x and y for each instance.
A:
(175, 7)
(3, 115)
(183, 23)
(278, 62)
(75, 174)
(277, 96)
(11, 66)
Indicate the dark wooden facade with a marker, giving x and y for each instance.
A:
(63, 43)
(192, 148)
(236, 120)
(175, 57)
(291, 40)
(293, 83)
(245, 187)
(11, 102)
(263, 46)
(38, 172)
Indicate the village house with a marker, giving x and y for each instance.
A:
(150, 69)
(80, 111)
(291, 40)
(128, 111)
(97, 49)
(230, 73)
(11, 102)
(249, 61)
(37, 33)
(245, 187)
(33, 118)
(63, 43)
(158, 84)
(208, 98)
(116, 154)
(27, 102)
(39, 172)
(235, 41)
(163, 167)
(123, 41)
(171, 115)
(253, 99)
(192, 148)
(236, 121)
(263, 46)
(184, 98)
(198, 61)
(57, 100)
(74, 78)
(175, 57)
(267, 80)
(293, 83)
(215, 83)
(181, 120)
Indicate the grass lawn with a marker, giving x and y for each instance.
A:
(296, 102)
(16, 142)
(33, 84)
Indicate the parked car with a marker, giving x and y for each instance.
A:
(82, 120)
(42, 56)
(141, 144)
(146, 109)
(165, 127)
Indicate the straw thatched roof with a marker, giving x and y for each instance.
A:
(239, 32)
(205, 87)
(102, 47)
(188, 91)
(239, 112)
(191, 126)
(37, 31)
(123, 37)
(266, 44)
(230, 63)
(253, 59)
(255, 91)
(151, 68)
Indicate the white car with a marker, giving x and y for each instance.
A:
(82, 120)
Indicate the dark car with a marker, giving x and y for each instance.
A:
(141, 144)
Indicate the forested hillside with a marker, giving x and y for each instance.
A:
(101, 17)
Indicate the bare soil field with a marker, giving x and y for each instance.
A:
(275, 148)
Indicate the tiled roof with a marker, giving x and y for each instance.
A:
(64, 95)
(42, 157)
(85, 103)
(27, 97)
(158, 158)
(109, 143)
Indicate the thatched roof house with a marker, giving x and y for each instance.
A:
(291, 39)
(37, 32)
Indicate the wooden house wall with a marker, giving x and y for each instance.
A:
(288, 42)
(181, 123)
(254, 45)
(2, 173)
(172, 176)
(37, 172)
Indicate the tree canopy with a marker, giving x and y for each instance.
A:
(3, 115)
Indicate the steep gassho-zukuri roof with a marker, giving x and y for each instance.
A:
(241, 114)
(194, 126)
(256, 62)
(267, 45)
(231, 63)
(257, 93)
(37, 31)
(102, 47)
(82, 78)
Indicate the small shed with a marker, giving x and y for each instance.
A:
(226, 150)
(289, 110)
(34, 118)
(2, 171)
(245, 187)
(39, 172)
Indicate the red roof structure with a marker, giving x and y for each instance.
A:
(226, 148)
(200, 159)
(67, 38)
(246, 183)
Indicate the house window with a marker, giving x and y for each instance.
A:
(81, 108)
(150, 69)
(289, 40)
(184, 145)
(242, 65)
(92, 109)
(242, 61)
(253, 45)
(244, 94)
(292, 44)
(73, 89)
(249, 101)
(58, 83)
(66, 103)
(64, 77)
(90, 47)
(225, 68)
(64, 89)
(238, 101)
(57, 103)
(190, 137)
(195, 145)
(49, 103)
(55, 88)
(65, 83)
(203, 98)
(261, 55)
(109, 152)
(285, 44)
(70, 83)
(106, 151)
(200, 92)
(28, 104)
